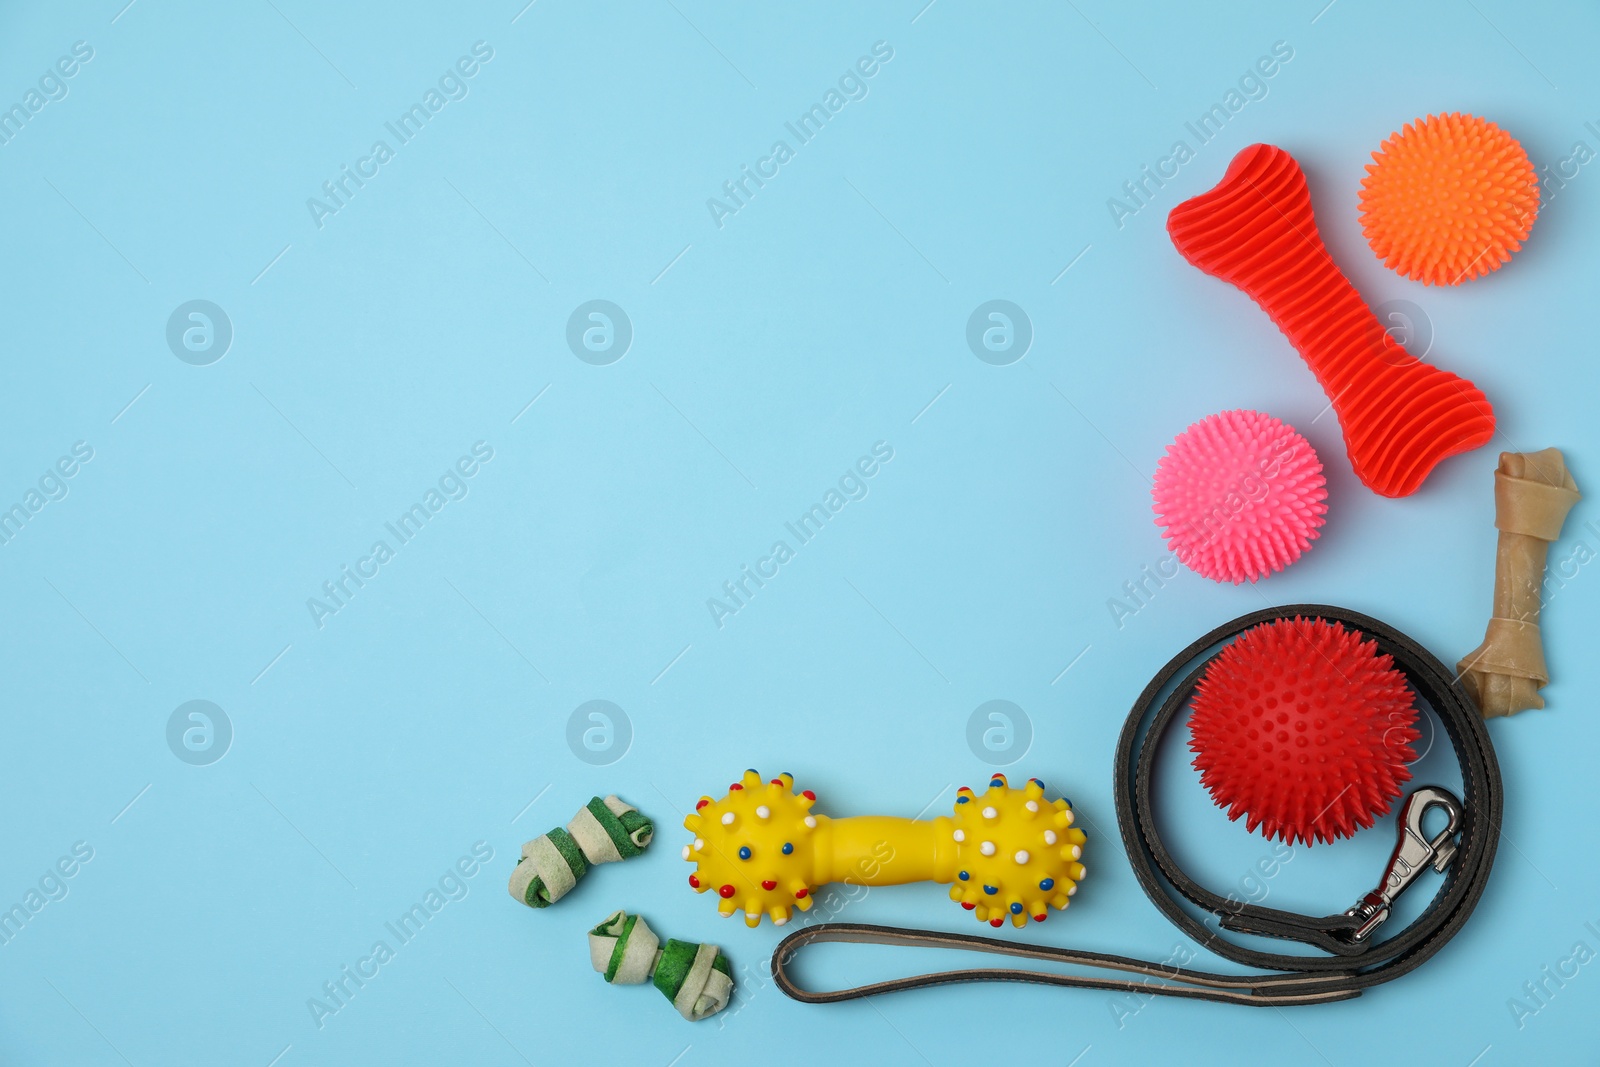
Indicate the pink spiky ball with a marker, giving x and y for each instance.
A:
(1239, 495)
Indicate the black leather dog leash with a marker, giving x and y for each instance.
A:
(1355, 959)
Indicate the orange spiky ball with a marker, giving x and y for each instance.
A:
(1448, 198)
(1303, 727)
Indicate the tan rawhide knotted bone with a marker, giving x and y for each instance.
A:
(1533, 491)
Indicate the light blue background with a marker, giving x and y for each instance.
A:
(829, 313)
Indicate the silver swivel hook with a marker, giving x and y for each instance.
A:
(1412, 853)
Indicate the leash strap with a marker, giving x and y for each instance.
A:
(1354, 960)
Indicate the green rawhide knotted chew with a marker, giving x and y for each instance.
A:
(697, 978)
(603, 831)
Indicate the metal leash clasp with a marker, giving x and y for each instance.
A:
(1412, 853)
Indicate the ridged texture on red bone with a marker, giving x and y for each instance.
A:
(1400, 417)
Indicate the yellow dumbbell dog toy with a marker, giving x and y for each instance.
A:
(1009, 852)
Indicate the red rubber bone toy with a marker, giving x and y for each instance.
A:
(1400, 416)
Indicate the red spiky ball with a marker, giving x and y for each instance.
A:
(1304, 728)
